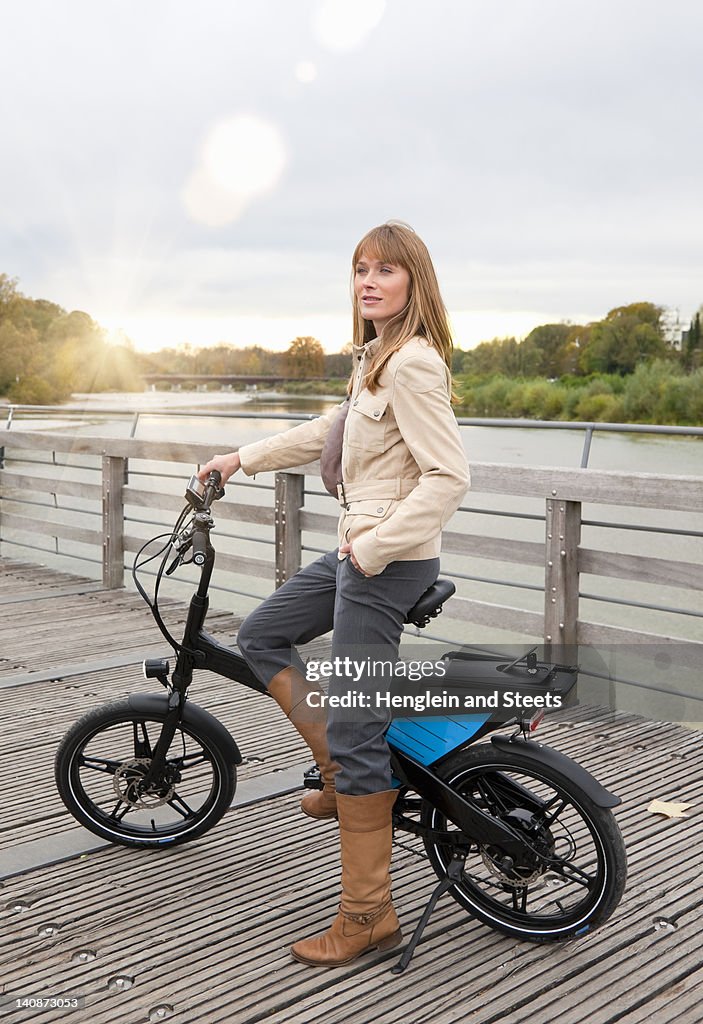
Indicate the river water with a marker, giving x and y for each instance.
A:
(630, 452)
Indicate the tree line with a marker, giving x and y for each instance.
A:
(47, 353)
(622, 368)
(618, 344)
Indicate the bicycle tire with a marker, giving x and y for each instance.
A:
(101, 759)
(499, 895)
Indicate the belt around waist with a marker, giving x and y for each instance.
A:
(380, 489)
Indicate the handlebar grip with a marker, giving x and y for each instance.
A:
(212, 488)
(199, 547)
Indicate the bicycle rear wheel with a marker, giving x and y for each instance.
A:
(571, 873)
(102, 760)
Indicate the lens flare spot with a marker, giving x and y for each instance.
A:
(242, 158)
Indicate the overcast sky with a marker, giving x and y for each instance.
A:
(202, 172)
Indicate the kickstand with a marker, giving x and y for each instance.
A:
(453, 877)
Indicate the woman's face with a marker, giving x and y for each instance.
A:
(382, 290)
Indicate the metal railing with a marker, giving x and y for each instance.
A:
(588, 428)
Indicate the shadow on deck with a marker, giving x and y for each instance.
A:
(200, 932)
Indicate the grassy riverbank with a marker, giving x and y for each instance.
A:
(657, 392)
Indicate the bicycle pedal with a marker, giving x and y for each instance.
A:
(312, 779)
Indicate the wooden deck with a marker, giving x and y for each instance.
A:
(200, 932)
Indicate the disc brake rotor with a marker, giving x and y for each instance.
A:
(127, 785)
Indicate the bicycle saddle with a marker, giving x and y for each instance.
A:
(430, 604)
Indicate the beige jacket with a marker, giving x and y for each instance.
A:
(403, 463)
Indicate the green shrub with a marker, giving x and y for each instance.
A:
(33, 391)
(601, 408)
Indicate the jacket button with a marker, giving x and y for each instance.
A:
(379, 509)
(356, 401)
(377, 412)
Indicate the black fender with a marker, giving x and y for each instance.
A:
(193, 715)
(536, 753)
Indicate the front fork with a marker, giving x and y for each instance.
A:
(181, 679)
(174, 717)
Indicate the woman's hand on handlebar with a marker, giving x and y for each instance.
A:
(226, 465)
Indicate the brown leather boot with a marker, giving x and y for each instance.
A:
(290, 689)
(366, 918)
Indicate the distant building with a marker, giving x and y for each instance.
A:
(674, 328)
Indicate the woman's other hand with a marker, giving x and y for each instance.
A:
(346, 549)
(226, 466)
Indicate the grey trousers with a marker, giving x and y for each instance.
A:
(367, 615)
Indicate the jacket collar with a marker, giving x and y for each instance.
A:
(370, 348)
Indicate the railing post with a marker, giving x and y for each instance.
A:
(286, 517)
(561, 577)
(113, 478)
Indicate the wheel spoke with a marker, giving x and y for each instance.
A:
(142, 747)
(190, 761)
(549, 819)
(115, 809)
(490, 796)
(571, 873)
(179, 805)
(99, 764)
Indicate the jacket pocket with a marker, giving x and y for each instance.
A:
(364, 515)
(367, 422)
(376, 507)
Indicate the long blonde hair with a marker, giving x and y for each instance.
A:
(425, 313)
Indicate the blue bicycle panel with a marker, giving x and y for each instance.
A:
(428, 739)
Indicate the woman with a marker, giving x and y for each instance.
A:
(403, 474)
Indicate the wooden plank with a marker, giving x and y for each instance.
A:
(561, 573)
(113, 476)
(49, 592)
(681, 652)
(662, 571)
(610, 487)
(289, 498)
(21, 485)
(501, 549)
(60, 672)
(318, 522)
(77, 842)
(607, 487)
(240, 564)
(223, 509)
(245, 566)
(497, 616)
(50, 527)
(158, 451)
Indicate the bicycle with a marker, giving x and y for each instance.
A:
(521, 836)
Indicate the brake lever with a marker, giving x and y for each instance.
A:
(181, 544)
(174, 564)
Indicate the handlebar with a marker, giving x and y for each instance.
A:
(213, 491)
(200, 540)
(201, 495)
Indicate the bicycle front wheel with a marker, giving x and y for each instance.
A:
(571, 872)
(102, 762)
